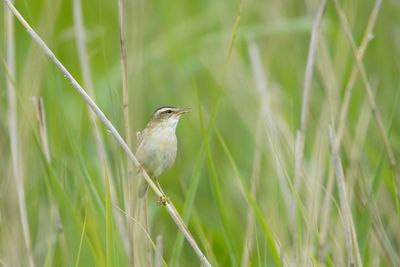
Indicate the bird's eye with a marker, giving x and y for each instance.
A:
(168, 111)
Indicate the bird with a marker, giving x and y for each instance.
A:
(157, 143)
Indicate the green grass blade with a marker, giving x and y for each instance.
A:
(221, 202)
(109, 225)
(188, 206)
(259, 215)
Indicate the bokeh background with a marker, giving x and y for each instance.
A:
(249, 193)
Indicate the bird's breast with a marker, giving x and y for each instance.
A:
(157, 151)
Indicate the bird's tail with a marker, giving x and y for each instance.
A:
(142, 188)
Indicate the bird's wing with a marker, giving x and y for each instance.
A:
(138, 138)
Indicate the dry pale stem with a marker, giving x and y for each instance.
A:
(129, 199)
(342, 119)
(350, 234)
(14, 133)
(300, 137)
(367, 88)
(350, 84)
(42, 126)
(159, 252)
(270, 121)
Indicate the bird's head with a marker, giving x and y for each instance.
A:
(168, 116)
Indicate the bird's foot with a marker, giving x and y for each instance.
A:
(163, 200)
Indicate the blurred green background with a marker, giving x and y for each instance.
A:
(240, 66)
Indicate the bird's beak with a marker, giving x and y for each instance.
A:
(182, 111)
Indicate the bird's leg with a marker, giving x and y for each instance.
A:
(139, 169)
(159, 186)
(163, 200)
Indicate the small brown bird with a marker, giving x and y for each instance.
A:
(157, 144)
